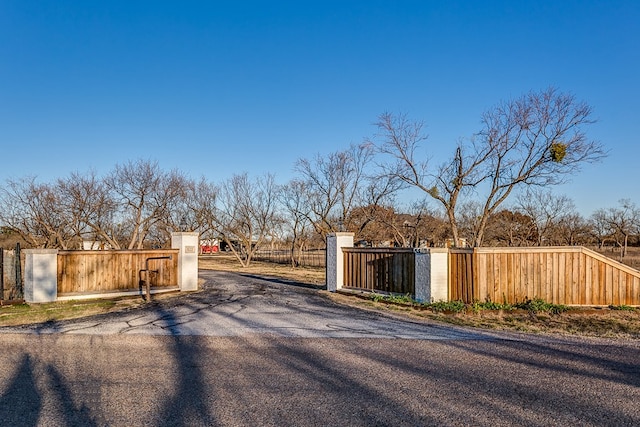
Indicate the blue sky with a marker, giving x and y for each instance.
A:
(216, 88)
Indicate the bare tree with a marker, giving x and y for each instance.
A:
(600, 227)
(535, 140)
(31, 209)
(338, 183)
(572, 229)
(546, 210)
(90, 203)
(198, 210)
(467, 221)
(146, 195)
(135, 205)
(296, 209)
(511, 228)
(246, 212)
(623, 221)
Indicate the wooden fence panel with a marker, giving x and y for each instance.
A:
(561, 275)
(107, 271)
(380, 269)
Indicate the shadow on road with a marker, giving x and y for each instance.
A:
(283, 281)
(187, 406)
(21, 402)
(72, 415)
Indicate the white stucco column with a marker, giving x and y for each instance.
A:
(432, 274)
(187, 243)
(335, 259)
(40, 275)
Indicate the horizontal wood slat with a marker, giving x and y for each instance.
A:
(108, 271)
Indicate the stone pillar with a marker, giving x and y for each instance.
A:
(335, 259)
(41, 275)
(432, 274)
(187, 243)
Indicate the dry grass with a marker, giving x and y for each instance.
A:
(596, 322)
(310, 275)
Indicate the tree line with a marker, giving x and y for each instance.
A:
(494, 189)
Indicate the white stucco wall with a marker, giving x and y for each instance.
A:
(41, 275)
(432, 274)
(335, 259)
(187, 243)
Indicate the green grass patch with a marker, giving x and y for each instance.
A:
(622, 308)
(536, 305)
(20, 314)
(446, 306)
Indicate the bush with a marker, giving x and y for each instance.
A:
(538, 305)
(451, 306)
(622, 307)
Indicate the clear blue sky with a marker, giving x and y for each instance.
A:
(215, 88)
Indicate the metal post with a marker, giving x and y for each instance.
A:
(148, 286)
(148, 274)
(1, 274)
(18, 269)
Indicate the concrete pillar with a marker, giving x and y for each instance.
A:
(187, 243)
(335, 259)
(432, 274)
(41, 275)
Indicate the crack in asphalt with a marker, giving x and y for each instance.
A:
(231, 305)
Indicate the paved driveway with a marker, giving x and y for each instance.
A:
(240, 305)
(253, 352)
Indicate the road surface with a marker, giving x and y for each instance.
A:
(251, 351)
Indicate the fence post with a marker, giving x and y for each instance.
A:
(187, 243)
(41, 275)
(335, 259)
(1, 274)
(432, 274)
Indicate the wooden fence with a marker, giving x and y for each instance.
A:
(310, 258)
(380, 269)
(561, 275)
(111, 271)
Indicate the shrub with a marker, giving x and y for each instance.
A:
(452, 306)
(538, 305)
(622, 307)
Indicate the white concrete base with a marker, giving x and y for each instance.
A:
(78, 297)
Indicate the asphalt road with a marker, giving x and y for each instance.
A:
(253, 352)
